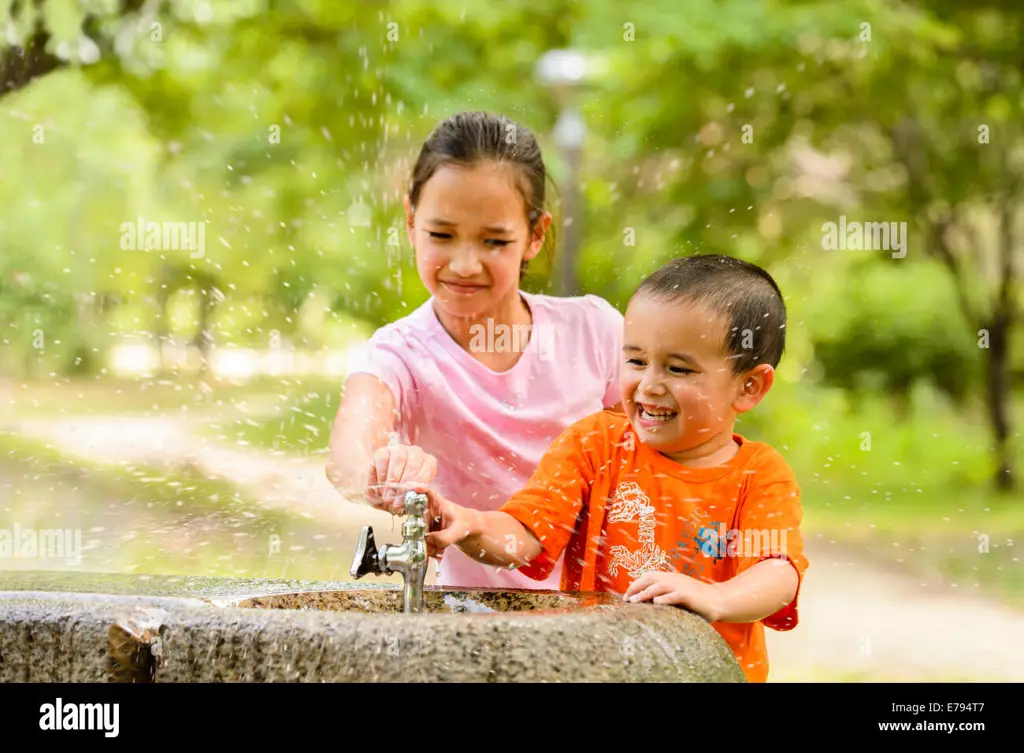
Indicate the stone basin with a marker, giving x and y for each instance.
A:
(436, 601)
(61, 627)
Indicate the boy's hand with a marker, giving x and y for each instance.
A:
(394, 470)
(679, 590)
(447, 523)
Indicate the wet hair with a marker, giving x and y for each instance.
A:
(469, 138)
(742, 294)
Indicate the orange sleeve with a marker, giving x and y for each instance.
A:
(550, 503)
(769, 521)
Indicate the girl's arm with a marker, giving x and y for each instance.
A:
(365, 419)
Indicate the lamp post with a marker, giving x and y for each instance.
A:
(563, 72)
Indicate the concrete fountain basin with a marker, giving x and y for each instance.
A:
(61, 627)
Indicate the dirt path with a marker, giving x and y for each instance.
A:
(859, 621)
(297, 484)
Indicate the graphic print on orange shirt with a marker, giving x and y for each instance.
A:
(632, 505)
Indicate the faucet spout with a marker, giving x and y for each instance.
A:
(409, 558)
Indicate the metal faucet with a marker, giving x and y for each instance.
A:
(408, 558)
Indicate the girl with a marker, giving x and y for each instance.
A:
(479, 380)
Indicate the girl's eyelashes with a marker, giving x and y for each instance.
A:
(495, 242)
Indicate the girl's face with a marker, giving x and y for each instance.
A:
(470, 235)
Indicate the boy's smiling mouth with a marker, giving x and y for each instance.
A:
(653, 415)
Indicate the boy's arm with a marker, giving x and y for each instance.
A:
(767, 553)
(533, 527)
(756, 593)
(550, 504)
(772, 556)
(496, 538)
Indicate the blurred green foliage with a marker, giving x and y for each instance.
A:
(290, 130)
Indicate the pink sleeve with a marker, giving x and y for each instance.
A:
(609, 324)
(381, 356)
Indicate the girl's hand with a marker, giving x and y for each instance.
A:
(679, 590)
(395, 470)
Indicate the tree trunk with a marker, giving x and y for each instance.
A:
(204, 338)
(162, 327)
(18, 66)
(568, 277)
(901, 403)
(997, 399)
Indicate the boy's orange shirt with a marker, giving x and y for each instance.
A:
(622, 509)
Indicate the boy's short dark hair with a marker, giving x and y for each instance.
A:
(740, 292)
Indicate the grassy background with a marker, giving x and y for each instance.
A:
(169, 520)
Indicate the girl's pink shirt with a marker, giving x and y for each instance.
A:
(488, 430)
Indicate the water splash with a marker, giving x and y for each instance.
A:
(463, 604)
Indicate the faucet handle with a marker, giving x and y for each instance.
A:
(415, 504)
(366, 559)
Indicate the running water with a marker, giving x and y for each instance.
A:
(462, 604)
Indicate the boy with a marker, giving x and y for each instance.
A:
(665, 503)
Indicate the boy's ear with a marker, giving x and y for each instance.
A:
(755, 386)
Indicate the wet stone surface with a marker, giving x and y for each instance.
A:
(123, 628)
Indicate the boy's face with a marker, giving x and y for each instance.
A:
(678, 387)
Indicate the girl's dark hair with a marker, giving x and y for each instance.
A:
(468, 138)
(743, 294)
